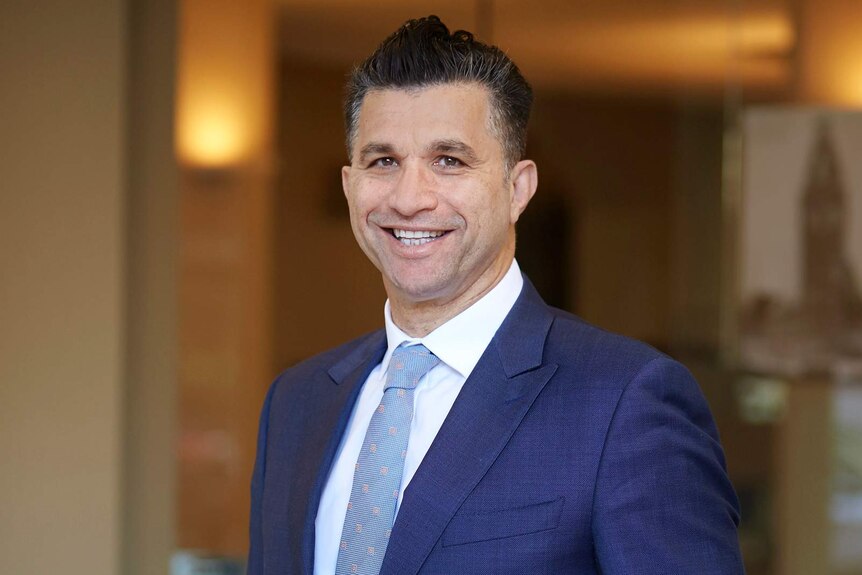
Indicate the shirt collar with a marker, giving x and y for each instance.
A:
(461, 341)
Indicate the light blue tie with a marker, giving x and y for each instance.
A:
(377, 479)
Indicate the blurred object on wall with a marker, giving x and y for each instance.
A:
(798, 338)
(762, 400)
(801, 242)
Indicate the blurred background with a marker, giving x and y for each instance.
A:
(172, 227)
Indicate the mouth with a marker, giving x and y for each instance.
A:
(416, 237)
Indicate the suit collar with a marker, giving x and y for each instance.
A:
(520, 342)
(372, 348)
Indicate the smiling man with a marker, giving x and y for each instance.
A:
(432, 200)
(481, 431)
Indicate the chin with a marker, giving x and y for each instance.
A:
(418, 291)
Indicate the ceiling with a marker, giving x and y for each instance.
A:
(646, 46)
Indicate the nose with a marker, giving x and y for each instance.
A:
(414, 191)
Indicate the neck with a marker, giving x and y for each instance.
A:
(418, 319)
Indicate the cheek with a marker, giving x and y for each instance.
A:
(356, 209)
(362, 203)
(365, 197)
(357, 202)
(490, 212)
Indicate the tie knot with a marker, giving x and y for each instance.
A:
(408, 365)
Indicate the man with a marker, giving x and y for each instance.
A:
(482, 431)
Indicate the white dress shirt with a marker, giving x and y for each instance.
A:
(459, 343)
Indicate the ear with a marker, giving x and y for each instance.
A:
(345, 179)
(524, 180)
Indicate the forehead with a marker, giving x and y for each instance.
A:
(413, 116)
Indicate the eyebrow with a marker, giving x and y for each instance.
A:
(456, 147)
(373, 149)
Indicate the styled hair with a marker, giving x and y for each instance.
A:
(422, 53)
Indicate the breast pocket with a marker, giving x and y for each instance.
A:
(498, 524)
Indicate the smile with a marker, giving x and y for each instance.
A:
(416, 237)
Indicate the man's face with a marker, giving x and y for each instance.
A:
(431, 202)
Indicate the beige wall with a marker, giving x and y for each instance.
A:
(61, 242)
(65, 302)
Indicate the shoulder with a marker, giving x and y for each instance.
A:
(536, 333)
(647, 388)
(599, 356)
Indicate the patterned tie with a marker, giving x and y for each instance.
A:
(377, 479)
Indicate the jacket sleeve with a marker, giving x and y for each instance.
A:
(255, 552)
(663, 501)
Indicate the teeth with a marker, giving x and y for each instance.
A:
(416, 237)
(416, 234)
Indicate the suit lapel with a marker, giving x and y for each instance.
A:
(337, 392)
(489, 408)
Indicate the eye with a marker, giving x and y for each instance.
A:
(448, 162)
(385, 162)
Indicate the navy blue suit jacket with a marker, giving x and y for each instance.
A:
(568, 450)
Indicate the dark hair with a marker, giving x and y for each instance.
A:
(422, 53)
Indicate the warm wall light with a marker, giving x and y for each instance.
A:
(765, 35)
(212, 134)
(856, 90)
(224, 83)
(830, 57)
(845, 87)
